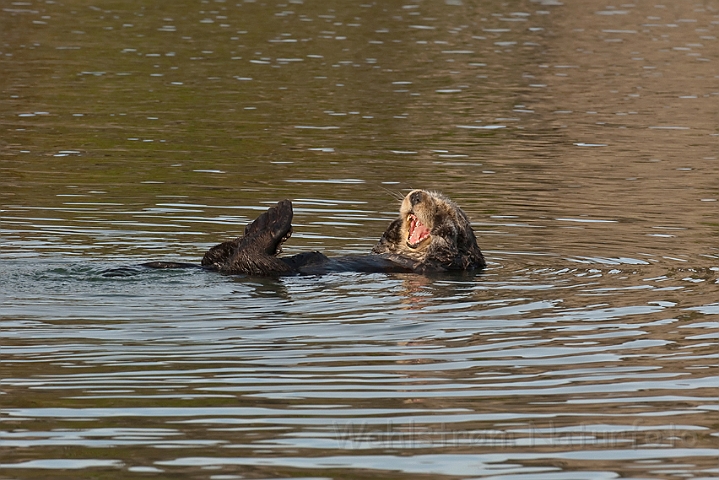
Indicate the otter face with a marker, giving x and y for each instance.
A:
(432, 231)
(417, 213)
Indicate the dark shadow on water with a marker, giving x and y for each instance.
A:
(262, 287)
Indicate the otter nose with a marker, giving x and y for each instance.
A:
(415, 198)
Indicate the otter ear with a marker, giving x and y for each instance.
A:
(391, 238)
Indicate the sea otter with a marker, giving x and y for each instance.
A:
(431, 234)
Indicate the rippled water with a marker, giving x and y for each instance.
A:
(580, 138)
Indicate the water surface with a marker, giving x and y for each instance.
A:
(580, 138)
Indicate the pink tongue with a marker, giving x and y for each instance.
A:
(418, 233)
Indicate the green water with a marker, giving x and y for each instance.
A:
(580, 139)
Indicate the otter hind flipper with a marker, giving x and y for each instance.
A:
(270, 230)
(255, 252)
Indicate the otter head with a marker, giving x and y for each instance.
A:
(434, 231)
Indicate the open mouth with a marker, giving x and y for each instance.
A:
(418, 232)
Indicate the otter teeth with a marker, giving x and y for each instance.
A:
(418, 232)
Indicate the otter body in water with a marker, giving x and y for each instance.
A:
(431, 234)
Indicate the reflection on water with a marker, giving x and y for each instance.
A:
(581, 140)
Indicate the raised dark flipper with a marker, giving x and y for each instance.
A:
(271, 229)
(255, 253)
